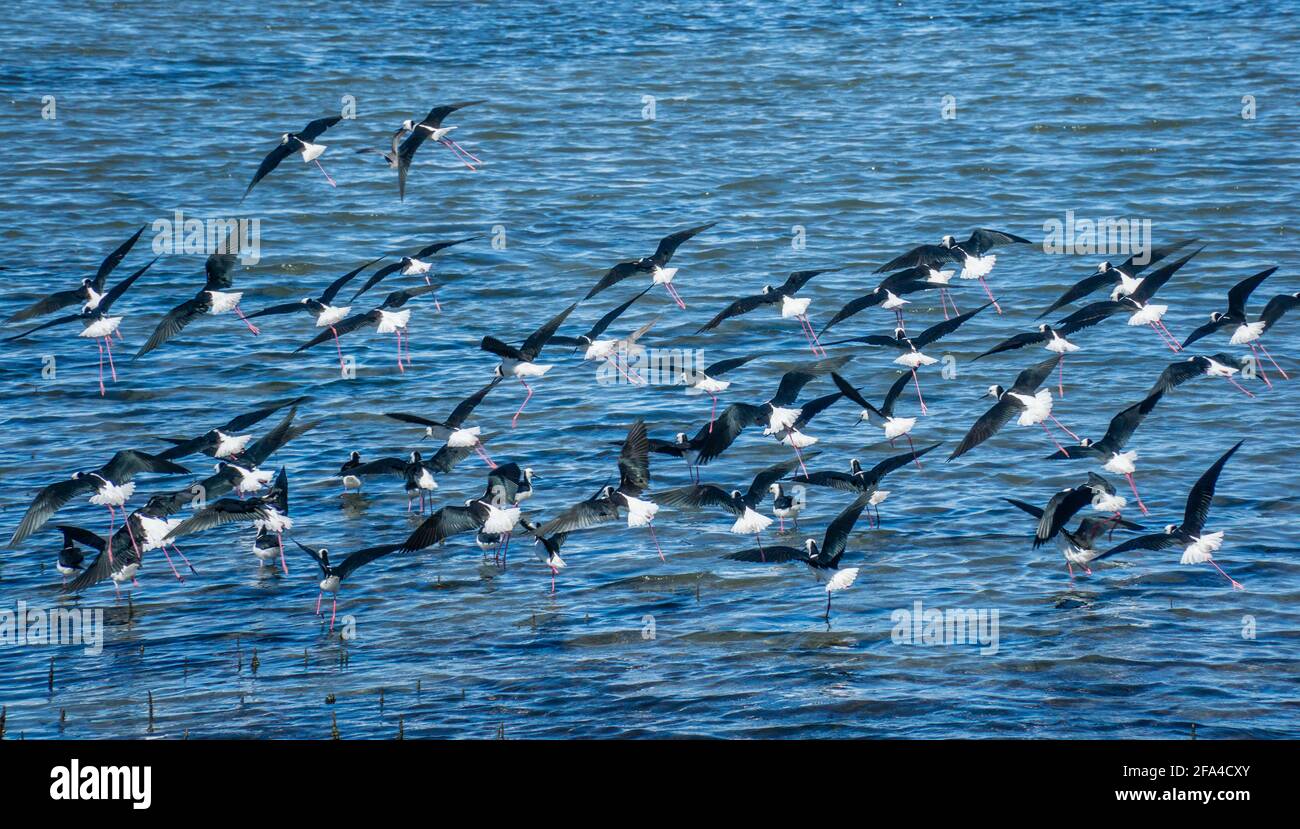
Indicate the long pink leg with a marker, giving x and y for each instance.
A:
(1170, 344)
(482, 453)
(943, 303)
(1236, 584)
(813, 333)
(400, 366)
(655, 539)
(1240, 386)
(184, 559)
(1280, 370)
(178, 576)
(615, 363)
(250, 325)
(1062, 427)
(1259, 366)
(996, 307)
(781, 518)
(916, 460)
(798, 454)
(924, 410)
(339, 347)
(553, 572)
(473, 157)
(1134, 487)
(283, 564)
(108, 346)
(452, 146)
(101, 367)
(527, 397)
(318, 598)
(130, 534)
(807, 336)
(676, 296)
(1070, 567)
(762, 556)
(1060, 377)
(334, 611)
(1052, 439)
(713, 411)
(1170, 335)
(327, 175)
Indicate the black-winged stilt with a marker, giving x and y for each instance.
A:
(520, 362)
(655, 265)
(302, 142)
(864, 482)
(333, 575)
(971, 254)
(453, 430)
(1109, 449)
(1123, 276)
(87, 294)
(1020, 399)
(389, 318)
(783, 296)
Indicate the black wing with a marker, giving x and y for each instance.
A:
(1276, 307)
(1209, 328)
(1037, 512)
(1028, 381)
(446, 458)
(1157, 278)
(983, 239)
(930, 256)
(853, 394)
(741, 306)
(60, 321)
(698, 497)
(710, 443)
(1198, 500)
(344, 326)
(895, 462)
(1088, 285)
(834, 479)
(282, 308)
(769, 555)
(605, 321)
(815, 407)
(1175, 374)
(360, 557)
(723, 366)
(314, 129)
(853, 307)
(376, 277)
(1091, 314)
(582, 515)
(381, 466)
(115, 293)
(223, 511)
(435, 116)
(1156, 541)
(443, 524)
(613, 276)
(537, 340)
(175, 321)
(334, 287)
(260, 450)
(272, 160)
(634, 461)
(769, 475)
(988, 425)
(397, 299)
(891, 396)
(503, 350)
(669, 244)
(792, 382)
(1060, 508)
(837, 534)
(466, 406)
(798, 279)
(432, 250)
(1018, 341)
(944, 328)
(47, 502)
(48, 305)
(124, 465)
(872, 339)
(115, 258)
(1123, 425)
(1238, 294)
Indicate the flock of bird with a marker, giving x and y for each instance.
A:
(242, 490)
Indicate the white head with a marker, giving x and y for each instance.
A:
(682, 439)
(775, 489)
(995, 391)
(948, 241)
(1170, 528)
(497, 372)
(528, 474)
(811, 546)
(1044, 328)
(1103, 267)
(1086, 442)
(1215, 316)
(408, 124)
(284, 138)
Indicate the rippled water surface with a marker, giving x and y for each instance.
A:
(767, 119)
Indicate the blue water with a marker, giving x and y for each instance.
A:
(766, 118)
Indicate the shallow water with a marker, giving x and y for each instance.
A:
(766, 120)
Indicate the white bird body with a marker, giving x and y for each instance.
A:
(750, 523)
(1148, 314)
(251, 480)
(310, 151)
(709, 385)
(274, 522)
(893, 302)
(1037, 407)
(93, 298)
(977, 266)
(939, 277)
(1127, 285)
(223, 301)
(896, 427)
(230, 445)
(435, 133)
(101, 327)
(1108, 503)
(662, 276)
(391, 321)
(155, 530)
(640, 513)
(500, 520)
(1247, 333)
(842, 580)
(1122, 463)
(914, 359)
(330, 584)
(332, 315)
(125, 574)
(795, 438)
(1218, 369)
(878, 497)
(600, 350)
(516, 368)
(415, 266)
(464, 438)
(794, 306)
(1202, 549)
(110, 494)
(781, 419)
(1060, 345)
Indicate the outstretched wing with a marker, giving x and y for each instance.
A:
(376, 277)
(634, 461)
(988, 425)
(47, 502)
(1031, 378)
(815, 407)
(1012, 343)
(272, 160)
(613, 276)
(334, 287)
(1157, 278)
(1276, 308)
(115, 258)
(582, 515)
(175, 321)
(769, 555)
(1060, 508)
(895, 462)
(466, 406)
(346, 326)
(723, 366)
(770, 475)
(982, 240)
(1088, 285)
(670, 243)
(47, 305)
(712, 441)
(944, 328)
(930, 256)
(1198, 500)
(605, 321)
(443, 524)
(1209, 328)
(360, 557)
(833, 479)
(741, 306)
(1155, 541)
(854, 307)
(697, 497)
(1123, 425)
(837, 534)
(1175, 374)
(537, 340)
(224, 511)
(891, 396)
(502, 350)
(853, 394)
(1238, 294)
